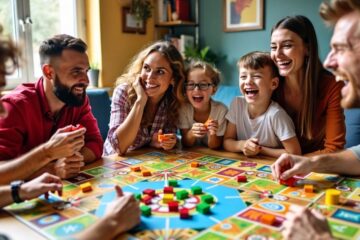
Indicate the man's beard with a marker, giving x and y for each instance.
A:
(66, 95)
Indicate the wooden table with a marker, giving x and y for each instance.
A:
(17, 230)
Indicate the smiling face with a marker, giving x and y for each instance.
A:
(69, 74)
(199, 99)
(156, 75)
(257, 85)
(344, 58)
(288, 51)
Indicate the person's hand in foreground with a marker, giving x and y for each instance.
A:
(302, 223)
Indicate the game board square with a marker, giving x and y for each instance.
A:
(265, 168)
(131, 161)
(226, 161)
(209, 159)
(48, 220)
(230, 172)
(81, 177)
(116, 165)
(97, 171)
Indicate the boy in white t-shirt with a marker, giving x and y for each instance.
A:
(258, 125)
(202, 120)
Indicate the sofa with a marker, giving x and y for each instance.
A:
(100, 107)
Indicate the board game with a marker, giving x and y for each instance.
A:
(190, 195)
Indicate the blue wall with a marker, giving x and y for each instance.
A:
(236, 44)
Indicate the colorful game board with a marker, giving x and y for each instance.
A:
(237, 211)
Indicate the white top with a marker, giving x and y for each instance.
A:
(217, 112)
(270, 128)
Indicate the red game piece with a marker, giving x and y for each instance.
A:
(168, 190)
(241, 178)
(184, 213)
(173, 206)
(146, 199)
(150, 192)
(77, 127)
(146, 173)
(289, 182)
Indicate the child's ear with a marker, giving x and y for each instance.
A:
(274, 83)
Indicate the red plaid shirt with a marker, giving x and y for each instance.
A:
(120, 108)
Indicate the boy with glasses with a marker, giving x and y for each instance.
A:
(258, 125)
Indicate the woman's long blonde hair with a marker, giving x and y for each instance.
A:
(173, 95)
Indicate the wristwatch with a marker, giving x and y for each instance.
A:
(15, 187)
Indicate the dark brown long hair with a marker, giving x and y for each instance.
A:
(303, 27)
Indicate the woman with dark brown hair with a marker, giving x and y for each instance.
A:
(308, 92)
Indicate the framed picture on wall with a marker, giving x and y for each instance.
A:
(243, 15)
(130, 24)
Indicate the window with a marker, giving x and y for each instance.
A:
(29, 22)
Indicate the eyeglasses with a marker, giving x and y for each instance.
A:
(201, 86)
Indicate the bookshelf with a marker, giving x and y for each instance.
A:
(165, 26)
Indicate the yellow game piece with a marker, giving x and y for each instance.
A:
(332, 197)
(168, 197)
(308, 188)
(86, 187)
(195, 164)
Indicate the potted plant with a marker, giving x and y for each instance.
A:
(93, 75)
(141, 9)
(204, 54)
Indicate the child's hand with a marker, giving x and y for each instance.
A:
(212, 126)
(199, 130)
(251, 147)
(166, 141)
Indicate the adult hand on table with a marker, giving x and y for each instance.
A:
(64, 143)
(40, 185)
(70, 166)
(294, 165)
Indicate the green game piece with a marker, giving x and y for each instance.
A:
(173, 183)
(196, 190)
(145, 210)
(203, 208)
(138, 196)
(207, 199)
(182, 194)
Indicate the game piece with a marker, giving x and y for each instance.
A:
(168, 190)
(86, 187)
(135, 169)
(241, 178)
(164, 137)
(195, 164)
(267, 219)
(308, 188)
(145, 210)
(146, 199)
(149, 191)
(203, 208)
(207, 199)
(184, 213)
(61, 205)
(196, 190)
(182, 194)
(332, 196)
(146, 173)
(207, 123)
(173, 183)
(290, 182)
(173, 206)
(138, 196)
(168, 197)
(77, 127)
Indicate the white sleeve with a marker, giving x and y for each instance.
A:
(283, 125)
(231, 114)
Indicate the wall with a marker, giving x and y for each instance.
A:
(108, 45)
(236, 44)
